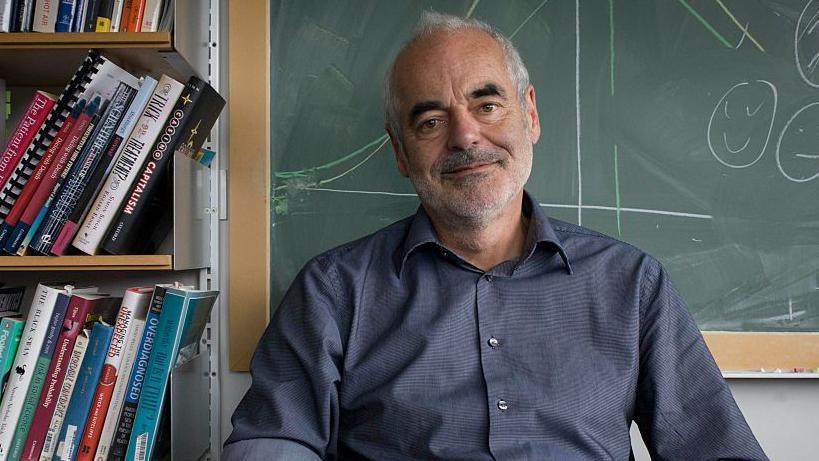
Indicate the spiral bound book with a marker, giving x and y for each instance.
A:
(96, 74)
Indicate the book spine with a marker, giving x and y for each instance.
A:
(67, 388)
(80, 11)
(5, 15)
(144, 204)
(126, 15)
(36, 113)
(45, 16)
(25, 15)
(118, 396)
(116, 15)
(103, 169)
(119, 446)
(136, 149)
(40, 312)
(65, 16)
(38, 377)
(77, 311)
(13, 330)
(146, 421)
(86, 384)
(34, 180)
(77, 179)
(29, 221)
(134, 305)
(104, 12)
(150, 15)
(91, 12)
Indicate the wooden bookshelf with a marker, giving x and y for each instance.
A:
(44, 60)
(87, 263)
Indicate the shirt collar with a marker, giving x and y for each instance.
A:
(540, 230)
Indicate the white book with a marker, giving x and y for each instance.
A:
(134, 305)
(127, 166)
(150, 19)
(5, 15)
(118, 397)
(25, 9)
(74, 363)
(116, 15)
(45, 15)
(106, 80)
(39, 316)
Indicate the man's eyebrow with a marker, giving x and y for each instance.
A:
(490, 89)
(423, 106)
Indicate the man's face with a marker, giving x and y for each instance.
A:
(466, 139)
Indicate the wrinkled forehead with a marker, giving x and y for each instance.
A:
(455, 60)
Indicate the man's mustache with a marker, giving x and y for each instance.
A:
(465, 158)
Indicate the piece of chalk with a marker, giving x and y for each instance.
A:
(800, 370)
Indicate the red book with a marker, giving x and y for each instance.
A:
(81, 308)
(135, 18)
(31, 186)
(36, 113)
(127, 6)
(134, 304)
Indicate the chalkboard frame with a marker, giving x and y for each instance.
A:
(249, 224)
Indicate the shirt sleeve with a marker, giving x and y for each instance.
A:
(291, 408)
(684, 408)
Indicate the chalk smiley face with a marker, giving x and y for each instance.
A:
(806, 44)
(797, 150)
(740, 125)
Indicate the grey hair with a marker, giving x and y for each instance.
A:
(431, 22)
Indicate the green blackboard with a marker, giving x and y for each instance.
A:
(687, 128)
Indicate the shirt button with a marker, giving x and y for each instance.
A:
(503, 405)
(493, 342)
(487, 277)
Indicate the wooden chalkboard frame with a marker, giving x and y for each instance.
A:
(249, 216)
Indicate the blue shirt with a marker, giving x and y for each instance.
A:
(394, 348)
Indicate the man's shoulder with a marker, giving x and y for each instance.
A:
(379, 245)
(582, 242)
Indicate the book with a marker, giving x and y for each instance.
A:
(126, 15)
(183, 318)
(136, 15)
(150, 16)
(67, 388)
(48, 181)
(79, 309)
(65, 15)
(45, 15)
(6, 15)
(11, 299)
(134, 306)
(11, 329)
(38, 109)
(25, 14)
(91, 12)
(103, 168)
(136, 149)
(38, 375)
(76, 179)
(27, 192)
(116, 15)
(80, 403)
(105, 11)
(31, 342)
(145, 217)
(80, 12)
(96, 74)
(125, 421)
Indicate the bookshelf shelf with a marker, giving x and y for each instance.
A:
(44, 60)
(87, 263)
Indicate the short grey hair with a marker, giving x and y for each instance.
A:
(431, 22)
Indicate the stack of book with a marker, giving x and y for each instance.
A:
(90, 171)
(89, 372)
(85, 15)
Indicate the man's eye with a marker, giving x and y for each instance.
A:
(431, 124)
(489, 107)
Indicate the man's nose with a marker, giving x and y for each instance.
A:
(464, 131)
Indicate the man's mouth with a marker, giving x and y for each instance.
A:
(477, 167)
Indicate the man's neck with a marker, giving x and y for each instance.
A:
(486, 244)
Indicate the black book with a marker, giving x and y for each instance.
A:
(91, 16)
(145, 217)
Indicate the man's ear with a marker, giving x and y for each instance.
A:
(400, 159)
(531, 115)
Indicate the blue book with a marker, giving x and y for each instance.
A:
(84, 390)
(39, 376)
(78, 21)
(183, 317)
(65, 16)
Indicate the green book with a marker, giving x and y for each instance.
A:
(11, 329)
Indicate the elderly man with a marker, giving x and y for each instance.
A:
(478, 328)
